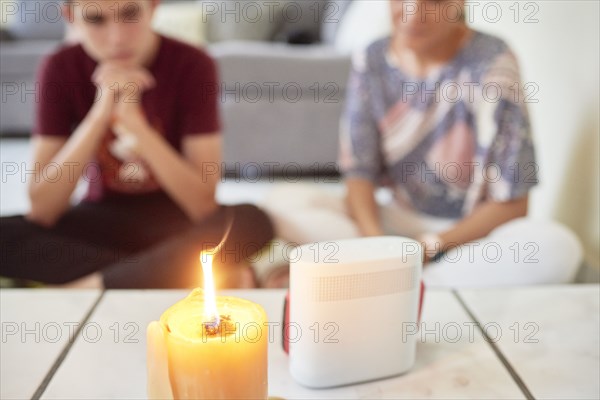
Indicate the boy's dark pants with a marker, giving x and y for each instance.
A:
(135, 242)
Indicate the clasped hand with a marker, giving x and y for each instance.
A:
(119, 100)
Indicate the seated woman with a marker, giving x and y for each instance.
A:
(437, 113)
(136, 115)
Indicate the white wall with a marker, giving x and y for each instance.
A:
(560, 53)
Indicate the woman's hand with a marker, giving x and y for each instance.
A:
(484, 219)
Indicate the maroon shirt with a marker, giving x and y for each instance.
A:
(183, 102)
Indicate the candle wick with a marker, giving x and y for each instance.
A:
(223, 326)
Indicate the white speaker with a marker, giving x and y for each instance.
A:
(349, 302)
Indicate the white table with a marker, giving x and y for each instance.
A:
(106, 359)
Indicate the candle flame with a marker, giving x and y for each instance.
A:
(210, 298)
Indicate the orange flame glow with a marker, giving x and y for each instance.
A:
(211, 314)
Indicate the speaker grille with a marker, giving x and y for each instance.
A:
(355, 286)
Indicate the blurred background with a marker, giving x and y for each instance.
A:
(301, 49)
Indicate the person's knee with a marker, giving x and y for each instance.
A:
(254, 218)
(61, 278)
(248, 212)
(278, 278)
(565, 247)
(548, 242)
(234, 275)
(527, 252)
(551, 234)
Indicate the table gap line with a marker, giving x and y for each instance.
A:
(513, 373)
(63, 354)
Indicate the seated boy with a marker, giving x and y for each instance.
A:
(136, 115)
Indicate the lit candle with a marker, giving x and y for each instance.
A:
(213, 347)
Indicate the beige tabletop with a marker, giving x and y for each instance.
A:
(540, 342)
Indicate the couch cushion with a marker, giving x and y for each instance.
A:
(34, 20)
(299, 19)
(21, 58)
(280, 137)
(182, 20)
(283, 97)
(248, 62)
(5, 36)
(238, 20)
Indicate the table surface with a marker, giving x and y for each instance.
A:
(538, 342)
